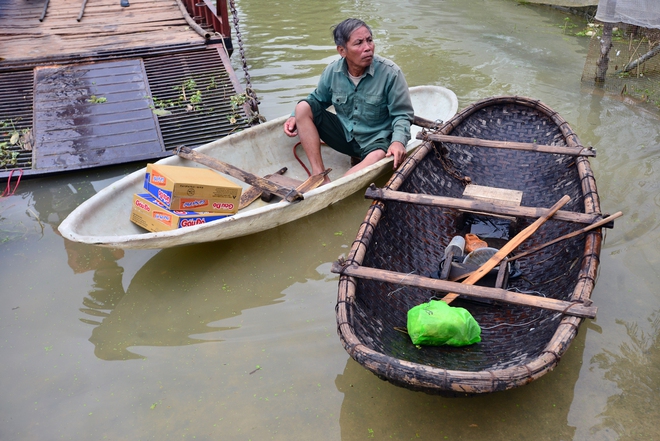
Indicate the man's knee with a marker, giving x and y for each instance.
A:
(375, 155)
(304, 110)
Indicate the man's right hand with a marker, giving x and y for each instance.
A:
(290, 127)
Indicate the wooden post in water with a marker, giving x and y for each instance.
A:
(604, 59)
(605, 43)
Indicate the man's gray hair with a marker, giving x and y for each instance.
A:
(342, 32)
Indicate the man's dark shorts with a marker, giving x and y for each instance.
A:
(331, 132)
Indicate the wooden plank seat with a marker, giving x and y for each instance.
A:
(382, 194)
(502, 295)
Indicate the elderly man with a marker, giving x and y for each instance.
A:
(371, 99)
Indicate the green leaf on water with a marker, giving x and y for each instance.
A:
(161, 112)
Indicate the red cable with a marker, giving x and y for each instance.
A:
(8, 191)
(299, 160)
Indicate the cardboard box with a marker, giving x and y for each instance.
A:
(149, 213)
(192, 189)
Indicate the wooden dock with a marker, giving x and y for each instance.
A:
(90, 83)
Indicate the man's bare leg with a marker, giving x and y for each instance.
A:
(309, 138)
(371, 158)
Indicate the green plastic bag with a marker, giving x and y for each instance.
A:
(436, 323)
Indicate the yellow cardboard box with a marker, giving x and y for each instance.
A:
(192, 189)
(149, 213)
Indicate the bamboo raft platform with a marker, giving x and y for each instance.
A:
(91, 83)
(105, 25)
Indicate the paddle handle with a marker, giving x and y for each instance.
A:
(593, 226)
(508, 247)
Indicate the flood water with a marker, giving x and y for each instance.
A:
(236, 340)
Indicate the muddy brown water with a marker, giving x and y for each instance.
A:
(236, 340)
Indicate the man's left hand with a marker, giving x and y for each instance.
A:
(398, 150)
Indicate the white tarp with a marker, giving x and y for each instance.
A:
(644, 13)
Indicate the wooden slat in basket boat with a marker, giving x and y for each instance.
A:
(402, 240)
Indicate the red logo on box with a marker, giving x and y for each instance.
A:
(223, 205)
(142, 205)
(191, 222)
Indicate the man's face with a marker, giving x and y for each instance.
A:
(359, 51)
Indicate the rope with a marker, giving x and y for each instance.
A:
(299, 160)
(9, 191)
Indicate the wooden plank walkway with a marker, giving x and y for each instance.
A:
(105, 26)
(108, 88)
(93, 114)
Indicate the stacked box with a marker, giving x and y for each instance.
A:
(151, 214)
(192, 189)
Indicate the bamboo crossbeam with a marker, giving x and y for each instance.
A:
(381, 194)
(527, 146)
(288, 194)
(426, 123)
(502, 295)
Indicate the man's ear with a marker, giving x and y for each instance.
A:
(342, 51)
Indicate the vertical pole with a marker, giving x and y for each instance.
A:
(609, 7)
(604, 59)
(221, 11)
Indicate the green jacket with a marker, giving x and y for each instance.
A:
(379, 107)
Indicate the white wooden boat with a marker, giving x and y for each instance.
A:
(104, 219)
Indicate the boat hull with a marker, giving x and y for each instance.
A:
(519, 343)
(104, 219)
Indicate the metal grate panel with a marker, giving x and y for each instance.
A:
(195, 89)
(185, 90)
(15, 117)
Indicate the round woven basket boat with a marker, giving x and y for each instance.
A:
(519, 343)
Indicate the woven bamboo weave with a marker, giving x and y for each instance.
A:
(519, 343)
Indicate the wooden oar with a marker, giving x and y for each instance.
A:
(528, 146)
(502, 295)
(313, 181)
(569, 235)
(601, 223)
(301, 186)
(288, 194)
(253, 193)
(508, 247)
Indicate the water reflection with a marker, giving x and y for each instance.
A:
(51, 206)
(169, 300)
(635, 369)
(372, 407)
(181, 295)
